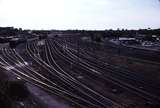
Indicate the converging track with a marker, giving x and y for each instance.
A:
(58, 65)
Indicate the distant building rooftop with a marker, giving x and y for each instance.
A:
(126, 39)
(14, 39)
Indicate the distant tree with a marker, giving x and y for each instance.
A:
(98, 39)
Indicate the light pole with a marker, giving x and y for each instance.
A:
(77, 50)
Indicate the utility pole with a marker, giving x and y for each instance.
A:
(119, 48)
(77, 50)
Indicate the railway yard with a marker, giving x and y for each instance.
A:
(84, 75)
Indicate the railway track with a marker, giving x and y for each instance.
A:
(122, 75)
(55, 75)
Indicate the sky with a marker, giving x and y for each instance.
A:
(80, 14)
